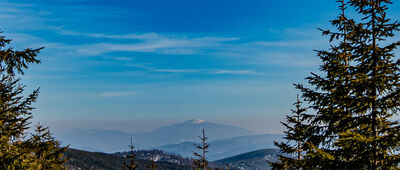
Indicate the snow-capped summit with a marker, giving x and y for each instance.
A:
(197, 121)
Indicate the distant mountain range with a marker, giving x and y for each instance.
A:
(226, 147)
(110, 141)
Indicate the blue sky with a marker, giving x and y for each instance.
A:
(135, 65)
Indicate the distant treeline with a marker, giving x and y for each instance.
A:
(79, 159)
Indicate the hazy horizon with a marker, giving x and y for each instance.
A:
(137, 126)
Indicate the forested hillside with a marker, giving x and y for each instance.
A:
(256, 160)
(79, 160)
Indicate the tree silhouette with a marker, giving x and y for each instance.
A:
(47, 152)
(152, 165)
(132, 159)
(296, 136)
(356, 94)
(16, 113)
(201, 162)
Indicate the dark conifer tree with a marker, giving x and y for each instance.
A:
(47, 152)
(357, 93)
(296, 137)
(132, 159)
(201, 163)
(152, 165)
(16, 109)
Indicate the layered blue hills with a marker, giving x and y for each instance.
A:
(225, 140)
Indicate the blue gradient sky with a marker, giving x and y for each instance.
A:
(135, 65)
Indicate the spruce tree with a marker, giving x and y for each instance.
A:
(152, 165)
(357, 93)
(132, 159)
(201, 163)
(296, 137)
(47, 152)
(15, 108)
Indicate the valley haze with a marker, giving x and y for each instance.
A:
(179, 138)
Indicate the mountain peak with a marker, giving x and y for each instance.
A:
(197, 121)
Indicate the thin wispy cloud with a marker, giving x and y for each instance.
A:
(227, 47)
(313, 43)
(156, 43)
(116, 94)
(174, 70)
(10, 4)
(252, 52)
(146, 36)
(236, 72)
(199, 71)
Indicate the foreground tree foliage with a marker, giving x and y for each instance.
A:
(48, 154)
(152, 165)
(201, 163)
(356, 95)
(16, 113)
(296, 136)
(132, 159)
